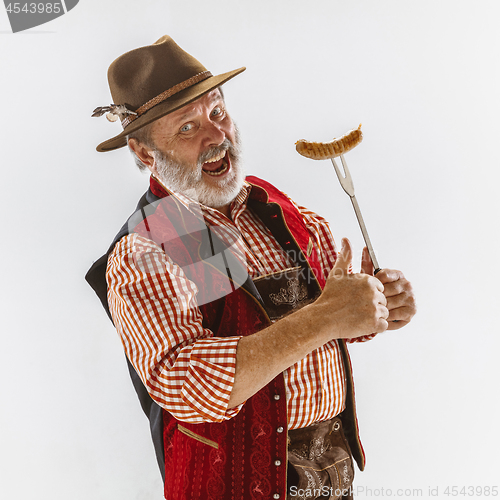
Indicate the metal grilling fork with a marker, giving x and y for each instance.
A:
(348, 186)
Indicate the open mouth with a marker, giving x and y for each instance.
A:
(217, 166)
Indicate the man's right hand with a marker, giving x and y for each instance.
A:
(351, 305)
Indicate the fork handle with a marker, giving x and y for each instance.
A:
(365, 233)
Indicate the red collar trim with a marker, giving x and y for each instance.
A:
(157, 189)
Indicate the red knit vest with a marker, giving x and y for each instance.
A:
(244, 457)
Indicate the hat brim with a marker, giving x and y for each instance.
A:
(168, 106)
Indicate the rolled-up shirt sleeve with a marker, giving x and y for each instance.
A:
(185, 369)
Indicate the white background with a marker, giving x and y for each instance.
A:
(423, 78)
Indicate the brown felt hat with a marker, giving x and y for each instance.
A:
(150, 82)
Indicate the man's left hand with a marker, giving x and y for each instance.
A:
(397, 290)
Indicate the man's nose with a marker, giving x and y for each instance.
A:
(214, 134)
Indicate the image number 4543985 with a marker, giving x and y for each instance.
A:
(26, 15)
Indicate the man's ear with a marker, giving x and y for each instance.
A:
(144, 153)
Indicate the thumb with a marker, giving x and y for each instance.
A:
(366, 262)
(344, 260)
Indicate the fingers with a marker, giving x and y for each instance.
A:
(400, 294)
(400, 317)
(382, 322)
(379, 312)
(366, 263)
(404, 313)
(403, 299)
(396, 324)
(398, 287)
(390, 275)
(383, 311)
(384, 316)
(377, 284)
(382, 326)
(378, 291)
(400, 303)
(344, 260)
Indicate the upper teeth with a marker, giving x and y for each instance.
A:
(217, 158)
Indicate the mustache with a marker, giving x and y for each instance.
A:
(226, 145)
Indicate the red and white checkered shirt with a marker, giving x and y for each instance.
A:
(187, 370)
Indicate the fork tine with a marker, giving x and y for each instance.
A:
(346, 179)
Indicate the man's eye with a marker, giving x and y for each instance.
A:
(217, 111)
(187, 127)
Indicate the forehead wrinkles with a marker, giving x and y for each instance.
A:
(193, 108)
(167, 125)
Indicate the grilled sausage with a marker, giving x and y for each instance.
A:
(326, 150)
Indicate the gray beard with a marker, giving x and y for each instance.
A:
(187, 179)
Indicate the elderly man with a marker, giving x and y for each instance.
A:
(231, 301)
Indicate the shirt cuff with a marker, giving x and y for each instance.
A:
(364, 338)
(210, 378)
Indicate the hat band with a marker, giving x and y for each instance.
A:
(165, 95)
